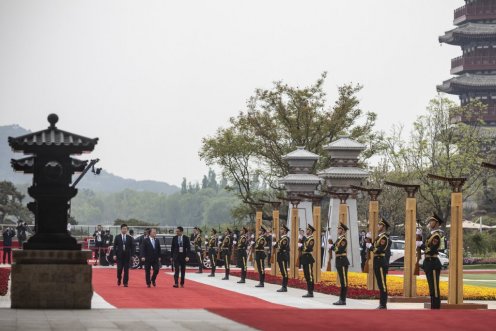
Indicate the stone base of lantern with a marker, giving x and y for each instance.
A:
(51, 279)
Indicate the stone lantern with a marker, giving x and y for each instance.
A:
(301, 182)
(51, 260)
(343, 172)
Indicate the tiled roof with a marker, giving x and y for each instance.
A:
(27, 164)
(343, 172)
(52, 137)
(467, 82)
(472, 31)
(300, 179)
(302, 154)
(345, 143)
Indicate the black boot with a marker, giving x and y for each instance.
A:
(282, 289)
(226, 277)
(310, 291)
(261, 282)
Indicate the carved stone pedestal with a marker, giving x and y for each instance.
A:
(51, 279)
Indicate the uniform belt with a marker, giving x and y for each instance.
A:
(379, 255)
(259, 250)
(431, 256)
(307, 252)
(344, 254)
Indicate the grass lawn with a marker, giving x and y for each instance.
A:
(484, 280)
(479, 266)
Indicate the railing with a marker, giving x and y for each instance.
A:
(476, 11)
(473, 63)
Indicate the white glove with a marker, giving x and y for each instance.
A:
(252, 236)
(206, 242)
(273, 244)
(252, 242)
(419, 243)
(300, 244)
(220, 237)
(368, 235)
(369, 245)
(419, 232)
(235, 236)
(274, 235)
(206, 236)
(234, 242)
(300, 236)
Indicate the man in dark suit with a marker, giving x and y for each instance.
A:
(180, 250)
(150, 255)
(123, 246)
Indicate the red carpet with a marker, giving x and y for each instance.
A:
(193, 296)
(263, 315)
(318, 319)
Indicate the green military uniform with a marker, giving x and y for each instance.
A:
(381, 247)
(342, 263)
(226, 253)
(260, 256)
(242, 256)
(432, 265)
(307, 261)
(282, 247)
(198, 249)
(212, 252)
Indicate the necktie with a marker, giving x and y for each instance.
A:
(123, 242)
(153, 242)
(180, 241)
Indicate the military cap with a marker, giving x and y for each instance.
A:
(263, 228)
(214, 231)
(229, 230)
(310, 227)
(436, 218)
(285, 228)
(385, 223)
(343, 226)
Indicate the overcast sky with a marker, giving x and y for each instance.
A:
(151, 78)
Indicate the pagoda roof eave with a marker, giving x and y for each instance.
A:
(468, 82)
(343, 172)
(469, 32)
(52, 138)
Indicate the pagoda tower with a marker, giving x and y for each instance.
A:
(475, 70)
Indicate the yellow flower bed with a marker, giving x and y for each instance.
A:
(395, 286)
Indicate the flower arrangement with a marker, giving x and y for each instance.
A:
(478, 260)
(357, 286)
(4, 281)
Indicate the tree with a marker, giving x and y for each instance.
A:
(439, 146)
(11, 203)
(204, 182)
(184, 186)
(251, 149)
(133, 222)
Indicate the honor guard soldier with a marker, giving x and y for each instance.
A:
(197, 241)
(225, 252)
(241, 254)
(381, 247)
(260, 256)
(307, 259)
(342, 262)
(212, 253)
(432, 265)
(282, 247)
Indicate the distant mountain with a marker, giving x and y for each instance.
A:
(105, 182)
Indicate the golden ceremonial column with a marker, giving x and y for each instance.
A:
(373, 219)
(455, 275)
(293, 251)
(317, 224)
(274, 270)
(409, 277)
(258, 224)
